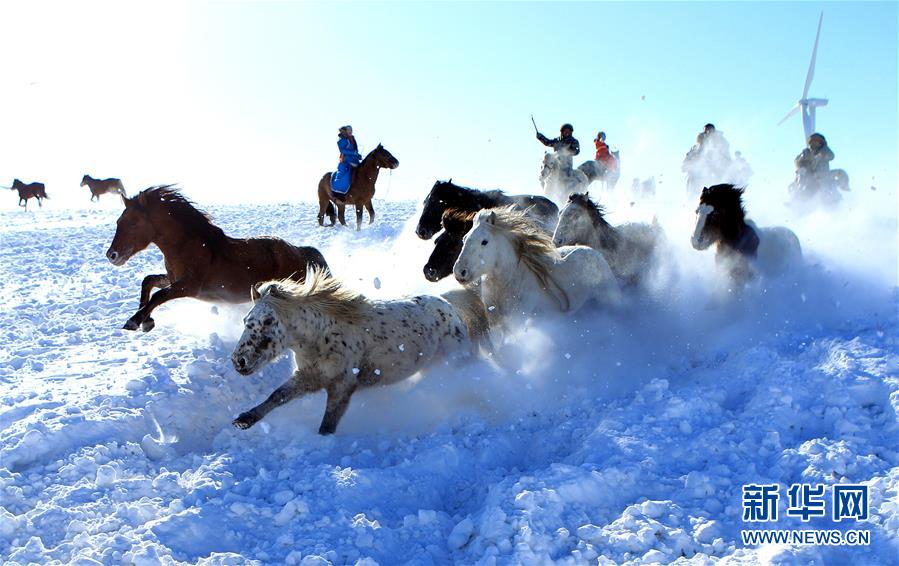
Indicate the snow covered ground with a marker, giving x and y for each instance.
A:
(618, 438)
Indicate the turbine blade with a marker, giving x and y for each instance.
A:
(792, 111)
(811, 65)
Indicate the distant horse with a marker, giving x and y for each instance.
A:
(521, 272)
(102, 186)
(29, 191)
(445, 195)
(629, 248)
(200, 260)
(559, 181)
(343, 341)
(597, 171)
(361, 191)
(742, 248)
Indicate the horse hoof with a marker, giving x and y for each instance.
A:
(243, 422)
(130, 325)
(148, 325)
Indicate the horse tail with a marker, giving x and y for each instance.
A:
(330, 210)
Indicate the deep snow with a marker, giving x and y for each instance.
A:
(619, 437)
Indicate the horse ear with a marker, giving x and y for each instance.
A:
(491, 218)
(380, 146)
(450, 182)
(254, 292)
(126, 201)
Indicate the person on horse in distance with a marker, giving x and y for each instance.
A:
(349, 159)
(566, 145)
(813, 164)
(604, 156)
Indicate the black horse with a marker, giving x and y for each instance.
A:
(445, 195)
(448, 244)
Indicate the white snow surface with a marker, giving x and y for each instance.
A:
(613, 437)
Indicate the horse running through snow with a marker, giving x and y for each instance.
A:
(29, 191)
(521, 272)
(200, 260)
(343, 341)
(102, 186)
(742, 248)
(445, 195)
(629, 248)
(560, 180)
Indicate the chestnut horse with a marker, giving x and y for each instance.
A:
(362, 188)
(31, 190)
(200, 260)
(102, 186)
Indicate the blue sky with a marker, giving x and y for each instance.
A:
(234, 97)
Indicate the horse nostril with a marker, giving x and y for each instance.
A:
(241, 362)
(464, 273)
(112, 255)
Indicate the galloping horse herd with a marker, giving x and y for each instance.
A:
(516, 257)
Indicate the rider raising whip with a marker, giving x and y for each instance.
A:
(565, 145)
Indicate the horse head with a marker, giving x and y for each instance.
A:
(434, 205)
(719, 217)
(384, 158)
(134, 231)
(263, 337)
(448, 245)
(85, 179)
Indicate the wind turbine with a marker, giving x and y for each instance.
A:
(808, 105)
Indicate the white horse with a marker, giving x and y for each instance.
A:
(522, 274)
(743, 249)
(559, 179)
(343, 341)
(630, 248)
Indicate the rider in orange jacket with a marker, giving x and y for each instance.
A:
(603, 155)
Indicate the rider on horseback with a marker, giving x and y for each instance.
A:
(603, 155)
(814, 159)
(349, 159)
(565, 145)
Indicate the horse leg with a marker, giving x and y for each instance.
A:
(339, 395)
(371, 212)
(176, 290)
(148, 284)
(341, 213)
(358, 216)
(40, 202)
(299, 384)
(322, 208)
(332, 213)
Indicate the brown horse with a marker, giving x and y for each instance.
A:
(31, 190)
(102, 186)
(362, 188)
(200, 260)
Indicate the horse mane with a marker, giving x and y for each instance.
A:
(458, 221)
(169, 199)
(534, 248)
(478, 199)
(597, 214)
(726, 198)
(320, 291)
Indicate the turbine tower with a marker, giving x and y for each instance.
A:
(808, 105)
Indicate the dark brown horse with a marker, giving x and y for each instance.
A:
(31, 190)
(102, 186)
(361, 192)
(200, 260)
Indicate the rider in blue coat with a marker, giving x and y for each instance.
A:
(349, 159)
